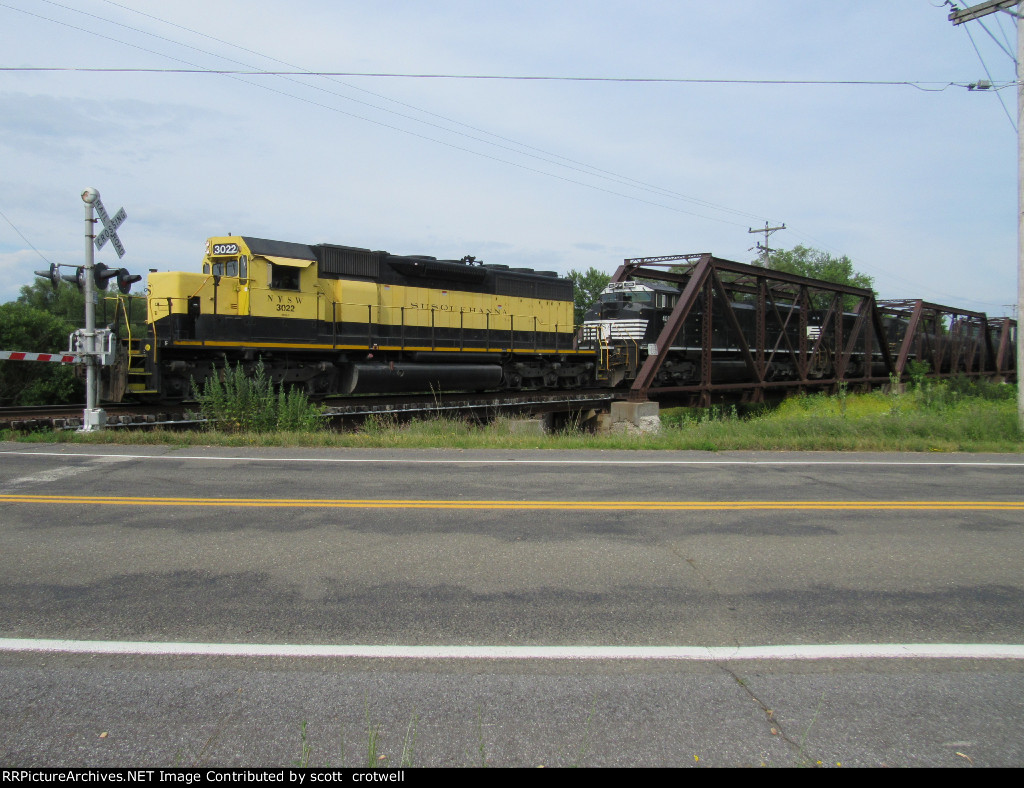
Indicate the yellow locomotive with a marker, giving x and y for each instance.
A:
(342, 320)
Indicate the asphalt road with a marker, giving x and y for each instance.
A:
(460, 550)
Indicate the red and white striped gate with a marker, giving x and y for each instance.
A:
(56, 358)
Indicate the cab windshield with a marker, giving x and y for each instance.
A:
(233, 266)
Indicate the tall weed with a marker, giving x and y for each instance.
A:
(237, 402)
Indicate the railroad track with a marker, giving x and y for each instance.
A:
(339, 411)
(499, 402)
(65, 417)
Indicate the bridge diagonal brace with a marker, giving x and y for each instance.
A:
(783, 323)
(851, 342)
(734, 324)
(652, 364)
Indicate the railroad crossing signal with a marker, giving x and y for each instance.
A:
(109, 232)
(101, 274)
(91, 346)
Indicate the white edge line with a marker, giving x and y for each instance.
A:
(986, 651)
(498, 461)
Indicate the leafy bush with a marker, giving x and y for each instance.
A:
(938, 395)
(27, 328)
(236, 402)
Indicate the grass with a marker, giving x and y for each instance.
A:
(372, 739)
(872, 422)
(305, 750)
(946, 416)
(801, 759)
(374, 758)
(409, 744)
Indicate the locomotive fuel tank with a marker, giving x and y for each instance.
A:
(395, 377)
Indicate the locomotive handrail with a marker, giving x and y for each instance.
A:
(513, 317)
(205, 282)
(402, 308)
(127, 321)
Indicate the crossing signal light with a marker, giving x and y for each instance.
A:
(125, 280)
(53, 275)
(101, 276)
(77, 278)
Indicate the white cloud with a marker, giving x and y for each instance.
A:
(911, 183)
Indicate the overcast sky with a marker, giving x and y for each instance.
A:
(917, 184)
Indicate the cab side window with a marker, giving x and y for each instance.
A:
(284, 277)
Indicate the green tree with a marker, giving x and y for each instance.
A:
(813, 263)
(587, 289)
(66, 302)
(26, 328)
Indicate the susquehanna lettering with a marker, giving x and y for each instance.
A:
(455, 309)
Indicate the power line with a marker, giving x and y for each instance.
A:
(984, 65)
(304, 72)
(936, 86)
(26, 240)
(382, 124)
(589, 170)
(999, 44)
(1002, 31)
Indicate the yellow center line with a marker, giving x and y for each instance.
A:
(591, 506)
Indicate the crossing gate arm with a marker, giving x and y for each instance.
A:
(54, 358)
(106, 352)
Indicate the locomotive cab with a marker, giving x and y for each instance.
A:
(228, 265)
(629, 311)
(236, 282)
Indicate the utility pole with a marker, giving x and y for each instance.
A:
(958, 17)
(767, 232)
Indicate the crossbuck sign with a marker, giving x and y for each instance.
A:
(109, 232)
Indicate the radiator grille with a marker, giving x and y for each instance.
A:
(348, 261)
